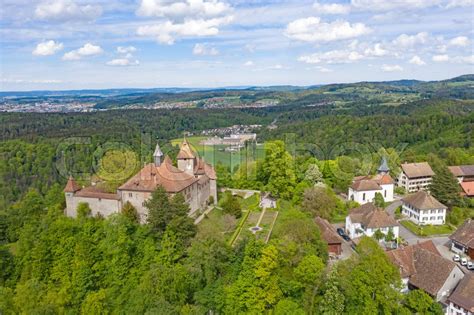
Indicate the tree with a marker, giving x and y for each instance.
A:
(319, 202)
(83, 210)
(390, 235)
(313, 174)
(277, 170)
(378, 200)
(129, 211)
(231, 205)
(444, 185)
(332, 300)
(158, 210)
(418, 302)
(378, 235)
(371, 292)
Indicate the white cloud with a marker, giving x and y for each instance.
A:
(461, 41)
(86, 50)
(440, 58)
(384, 5)
(460, 3)
(323, 69)
(391, 68)
(407, 41)
(167, 32)
(249, 63)
(47, 48)
(205, 50)
(376, 51)
(123, 62)
(179, 9)
(467, 59)
(277, 67)
(61, 10)
(415, 60)
(311, 29)
(126, 50)
(331, 8)
(332, 57)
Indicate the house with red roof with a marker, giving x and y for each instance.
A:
(364, 188)
(194, 178)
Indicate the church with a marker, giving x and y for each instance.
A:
(194, 178)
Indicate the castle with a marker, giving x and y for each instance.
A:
(193, 177)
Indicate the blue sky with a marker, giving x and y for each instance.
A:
(75, 44)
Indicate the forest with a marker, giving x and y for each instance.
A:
(52, 264)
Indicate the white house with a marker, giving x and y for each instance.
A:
(364, 188)
(422, 267)
(461, 301)
(415, 176)
(367, 219)
(422, 208)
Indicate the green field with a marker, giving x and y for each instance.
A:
(215, 154)
(427, 230)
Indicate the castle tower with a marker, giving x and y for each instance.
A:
(157, 155)
(383, 168)
(186, 158)
(71, 188)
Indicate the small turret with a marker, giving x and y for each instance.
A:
(157, 155)
(383, 168)
(71, 186)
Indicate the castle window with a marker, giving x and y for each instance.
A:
(130, 195)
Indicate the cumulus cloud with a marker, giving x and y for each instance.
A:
(47, 48)
(415, 60)
(384, 5)
(61, 10)
(126, 50)
(205, 50)
(312, 29)
(391, 68)
(460, 3)
(86, 50)
(166, 32)
(249, 63)
(332, 57)
(466, 59)
(179, 9)
(331, 8)
(440, 58)
(408, 41)
(123, 62)
(376, 51)
(461, 41)
(183, 18)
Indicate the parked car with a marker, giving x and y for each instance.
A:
(345, 237)
(340, 231)
(470, 265)
(464, 261)
(456, 257)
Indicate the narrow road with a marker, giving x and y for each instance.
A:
(404, 232)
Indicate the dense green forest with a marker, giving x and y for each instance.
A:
(53, 264)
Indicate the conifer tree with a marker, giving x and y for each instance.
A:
(445, 187)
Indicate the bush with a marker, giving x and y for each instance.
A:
(400, 191)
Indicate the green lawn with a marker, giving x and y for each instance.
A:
(427, 230)
(216, 153)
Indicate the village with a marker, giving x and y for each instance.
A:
(441, 263)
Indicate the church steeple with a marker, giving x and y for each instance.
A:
(157, 155)
(383, 168)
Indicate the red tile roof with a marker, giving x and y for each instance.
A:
(423, 200)
(413, 170)
(185, 151)
(328, 232)
(71, 185)
(171, 178)
(463, 295)
(465, 234)
(423, 265)
(468, 188)
(372, 217)
(96, 192)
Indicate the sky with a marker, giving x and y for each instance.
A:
(81, 44)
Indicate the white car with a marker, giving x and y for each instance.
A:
(470, 265)
(464, 261)
(456, 257)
